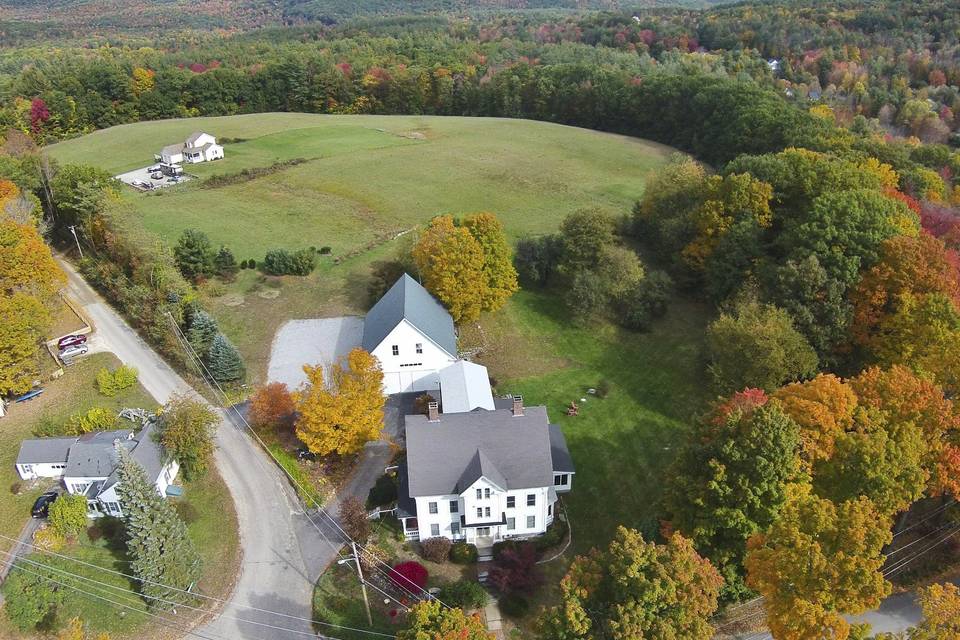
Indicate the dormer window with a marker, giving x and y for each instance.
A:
(396, 349)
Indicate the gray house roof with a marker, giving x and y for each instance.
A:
(445, 457)
(45, 450)
(465, 386)
(408, 300)
(559, 451)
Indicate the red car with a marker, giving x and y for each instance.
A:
(70, 341)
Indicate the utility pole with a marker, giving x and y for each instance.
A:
(73, 230)
(363, 585)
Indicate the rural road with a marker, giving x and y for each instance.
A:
(283, 551)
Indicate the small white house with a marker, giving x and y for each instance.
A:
(88, 464)
(199, 147)
(413, 337)
(482, 476)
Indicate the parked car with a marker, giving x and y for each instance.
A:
(305, 454)
(75, 351)
(70, 341)
(42, 506)
(156, 175)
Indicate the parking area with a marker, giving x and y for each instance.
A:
(319, 341)
(144, 180)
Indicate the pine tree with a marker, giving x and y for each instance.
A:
(203, 329)
(224, 360)
(163, 557)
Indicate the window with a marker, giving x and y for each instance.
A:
(396, 349)
(511, 524)
(560, 480)
(454, 506)
(531, 522)
(511, 502)
(486, 512)
(531, 499)
(433, 507)
(455, 528)
(419, 348)
(434, 530)
(479, 494)
(486, 493)
(479, 512)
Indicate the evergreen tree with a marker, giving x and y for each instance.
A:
(163, 557)
(194, 255)
(224, 360)
(203, 329)
(225, 263)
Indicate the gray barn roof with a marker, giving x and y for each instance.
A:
(408, 300)
(45, 450)
(445, 457)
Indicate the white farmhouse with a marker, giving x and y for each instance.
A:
(88, 464)
(412, 336)
(482, 476)
(199, 147)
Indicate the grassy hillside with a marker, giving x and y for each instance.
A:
(371, 176)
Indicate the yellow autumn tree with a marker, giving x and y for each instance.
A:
(342, 415)
(498, 269)
(451, 263)
(26, 263)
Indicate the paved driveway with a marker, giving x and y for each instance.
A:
(320, 341)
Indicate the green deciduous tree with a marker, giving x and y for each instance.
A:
(186, 430)
(818, 562)
(224, 361)
(162, 555)
(195, 255)
(636, 589)
(68, 514)
(730, 481)
(757, 346)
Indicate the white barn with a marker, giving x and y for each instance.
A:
(413, 337)
(88, 464)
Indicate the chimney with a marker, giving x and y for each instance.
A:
(517, 406)
(433, 412)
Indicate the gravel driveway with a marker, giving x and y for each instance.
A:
(320, 341)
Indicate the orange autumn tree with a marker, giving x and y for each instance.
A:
(343, 415)
(818, 562)
(823, 407)
(272, 405)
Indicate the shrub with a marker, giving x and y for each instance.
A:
(513, 605)
(410, 575)
(463, 553)
(436, 549)
(553, 536)
(466, 594)
(280, 262)
(382, 493)
(68, 515)
(110, 383)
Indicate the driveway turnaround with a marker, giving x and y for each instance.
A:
(322, 341)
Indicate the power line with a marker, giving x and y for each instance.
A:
(184, 591)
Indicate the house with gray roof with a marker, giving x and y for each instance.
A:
(198, 147)
(412, 335)
(482, 476)
(87, 464)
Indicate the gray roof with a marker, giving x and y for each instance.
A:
(94, 455)
(465, 386)
(559, 451)
(45, 450)
(408, 300)
(443, 455)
